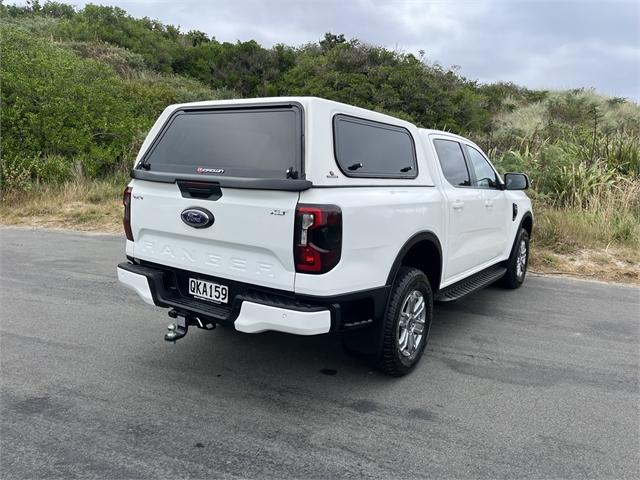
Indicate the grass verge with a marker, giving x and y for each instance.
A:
(82, 205)
(601, 244)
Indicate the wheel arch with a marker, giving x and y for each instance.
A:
(419, 252)
(527, 223)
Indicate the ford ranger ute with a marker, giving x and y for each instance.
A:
(308, 216)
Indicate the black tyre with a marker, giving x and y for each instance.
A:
(517, 262)
(406, 324)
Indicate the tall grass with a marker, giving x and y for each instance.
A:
(612, 217)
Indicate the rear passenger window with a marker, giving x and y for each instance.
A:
(452, 162)
(485, 175)
(371, 149)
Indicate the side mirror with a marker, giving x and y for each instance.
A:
(516, 181)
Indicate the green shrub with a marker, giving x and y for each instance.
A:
(55, 103)
(18, 173)
(53, 169)
(64, 115)
(124, 62)
(15, 176)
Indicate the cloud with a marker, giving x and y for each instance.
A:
(539, 44)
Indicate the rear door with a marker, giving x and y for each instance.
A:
(465, 210)
(239, 166)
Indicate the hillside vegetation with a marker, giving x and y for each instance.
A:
(80, 89)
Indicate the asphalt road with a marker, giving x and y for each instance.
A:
(540, 382)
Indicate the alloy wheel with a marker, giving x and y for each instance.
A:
(411, 327)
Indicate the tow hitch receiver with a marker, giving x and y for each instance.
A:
(180, 327)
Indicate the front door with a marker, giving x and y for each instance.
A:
(497, 213)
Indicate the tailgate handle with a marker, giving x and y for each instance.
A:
(200, 190)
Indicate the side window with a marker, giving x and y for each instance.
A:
(452, 162)
(371, 149)
(485, 175)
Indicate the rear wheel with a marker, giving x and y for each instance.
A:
(406, 323)
(518, 261)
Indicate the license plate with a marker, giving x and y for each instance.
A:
(208, 290)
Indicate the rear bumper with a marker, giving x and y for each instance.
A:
(136, 282)
(255, 309)
(257, 317)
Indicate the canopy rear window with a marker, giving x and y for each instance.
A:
(234, 142)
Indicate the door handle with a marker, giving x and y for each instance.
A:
(488, 203)
(458, 205)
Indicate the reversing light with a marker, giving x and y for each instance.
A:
(307, 221)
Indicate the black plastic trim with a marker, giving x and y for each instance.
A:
(526, 215)
(418, 237)
(290, 185)
(200, 190)
(470, 284)
(388, 185)
(520, 226)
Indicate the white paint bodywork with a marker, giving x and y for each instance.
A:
(248, 244)
(376, 224)
(257, 318)
(137, 283)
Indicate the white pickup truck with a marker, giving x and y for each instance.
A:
(308, 216)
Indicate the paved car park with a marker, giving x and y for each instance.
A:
(538, 382)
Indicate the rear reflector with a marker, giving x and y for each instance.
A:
(318, 238)
(126, 220)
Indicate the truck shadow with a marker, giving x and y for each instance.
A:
(225, 352)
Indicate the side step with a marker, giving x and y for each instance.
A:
(471, 284)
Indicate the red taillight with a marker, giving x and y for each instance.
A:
(318, 238)
(126, 220)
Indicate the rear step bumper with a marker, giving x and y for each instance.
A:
(249, 312)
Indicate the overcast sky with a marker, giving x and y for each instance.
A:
(536, 43)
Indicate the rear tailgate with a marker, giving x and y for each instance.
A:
(249, 241)
(226, 147)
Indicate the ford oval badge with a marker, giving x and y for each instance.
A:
(197, 217)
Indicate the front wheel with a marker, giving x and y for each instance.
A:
(406, 323)
(517, 262)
